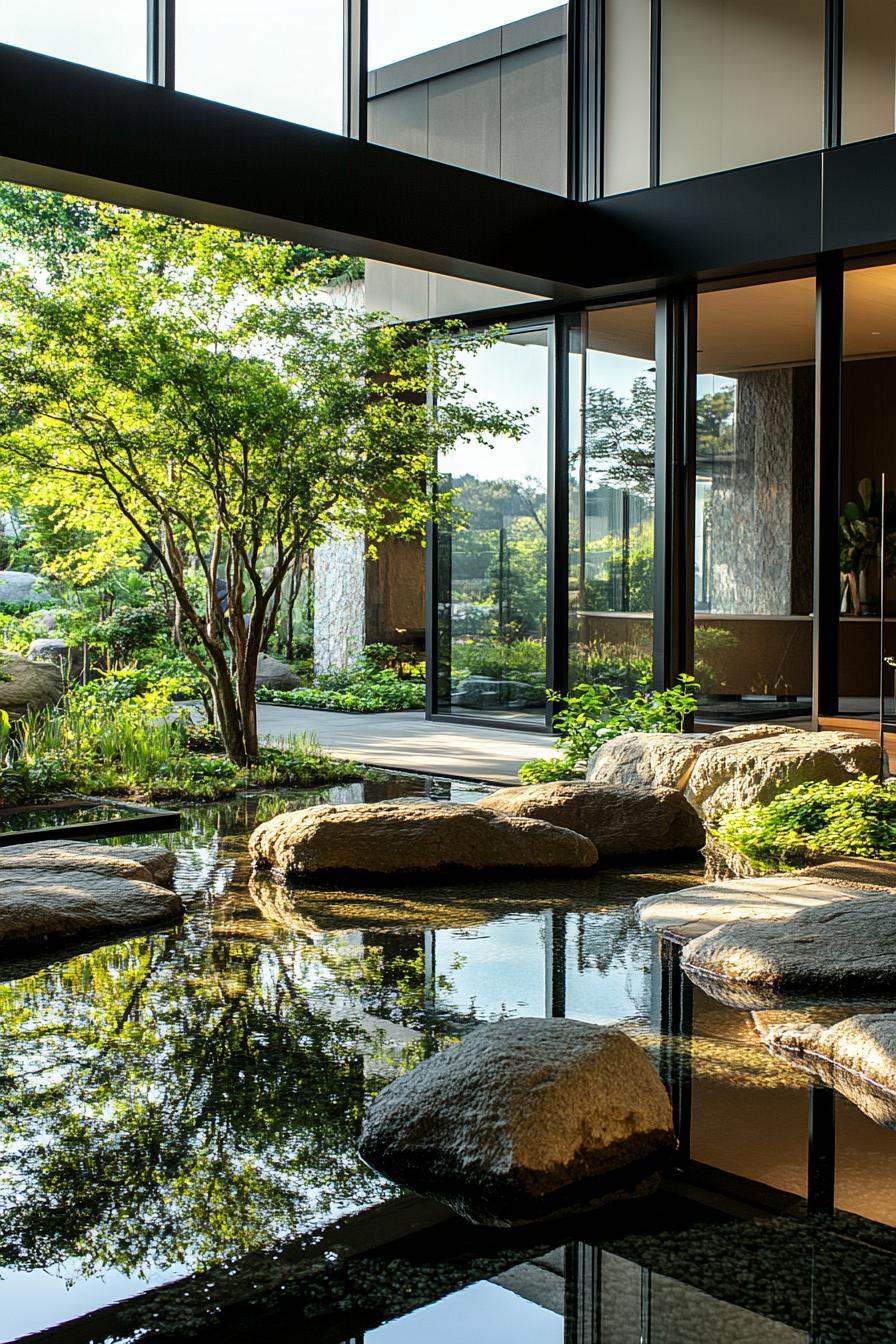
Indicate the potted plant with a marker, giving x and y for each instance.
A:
(860, 525)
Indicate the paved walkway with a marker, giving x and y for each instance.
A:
(409, 742)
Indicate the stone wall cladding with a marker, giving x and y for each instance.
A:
(339, 602)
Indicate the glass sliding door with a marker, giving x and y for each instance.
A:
(753, 523)
(492, 565)
(611, 497)
(869, 408)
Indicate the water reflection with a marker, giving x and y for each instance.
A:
(184, 1098)
(187, 1102)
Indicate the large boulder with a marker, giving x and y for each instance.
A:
(645, 760)
(846, 945)
(69, 660)
(521, 1118)
(145, 863)
(665, 760)
(276, 676)
(617, 820)
(411, 837)
(18, 588)
(26, 685)
(857, 1056)
(52, 905)
(737, 774)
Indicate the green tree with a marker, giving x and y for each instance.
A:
(620, 436)
(192, 382)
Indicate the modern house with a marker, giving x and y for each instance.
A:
(682, 211)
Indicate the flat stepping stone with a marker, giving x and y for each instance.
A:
(522, 1119)
(856, 1055)
(147, 863)
(618, 820)
(412, 837)
(835, 946)
(694, 911)
(40, 906)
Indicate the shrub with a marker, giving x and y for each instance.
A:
(594, 714)
(137, 748)
(363, 689)
(815, 821)
(511, 660)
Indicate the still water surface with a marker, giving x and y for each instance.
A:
(175, 1102)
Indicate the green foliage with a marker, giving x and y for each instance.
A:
(814, 822)
(860, 530)
(189, 393)
(592, 715)
(107, 739)
(355, 692)
(510, 660)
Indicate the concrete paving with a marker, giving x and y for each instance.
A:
(408, 741)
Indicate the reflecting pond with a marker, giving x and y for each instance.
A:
(186, 1102)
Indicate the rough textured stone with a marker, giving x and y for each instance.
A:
(646, 760)
(69, 660)
(667, 760)
(617, 820)
(412, 837)
(856, 1055)
(722, 862)
(740, 773)
(44, 620)
(847, 945)
(18, 586)
(51, 905)
(27, 685)
(518, 1116)
(275, 675)
(146, 863)
(339, 602)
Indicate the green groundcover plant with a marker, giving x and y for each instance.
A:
(376, 684)
(593, 715)
(143, 749)
(815, 821)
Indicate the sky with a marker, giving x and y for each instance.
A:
(280, 57)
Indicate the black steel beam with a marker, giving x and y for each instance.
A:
(676, 358)
(826, 507)
(71, 128)
(354, 79)
(557, 622)
(585, 56)
(723, 222)
(833, 71)
(160, 42)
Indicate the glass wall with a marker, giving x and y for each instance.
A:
(869, 69)
(280, 57)
(493, 565)
(611, 497)
(481, 85)
(107, 34)
(626, 95)
(742, 81)
(869, 414)
(753, 533)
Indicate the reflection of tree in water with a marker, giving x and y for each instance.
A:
(171, 1100)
